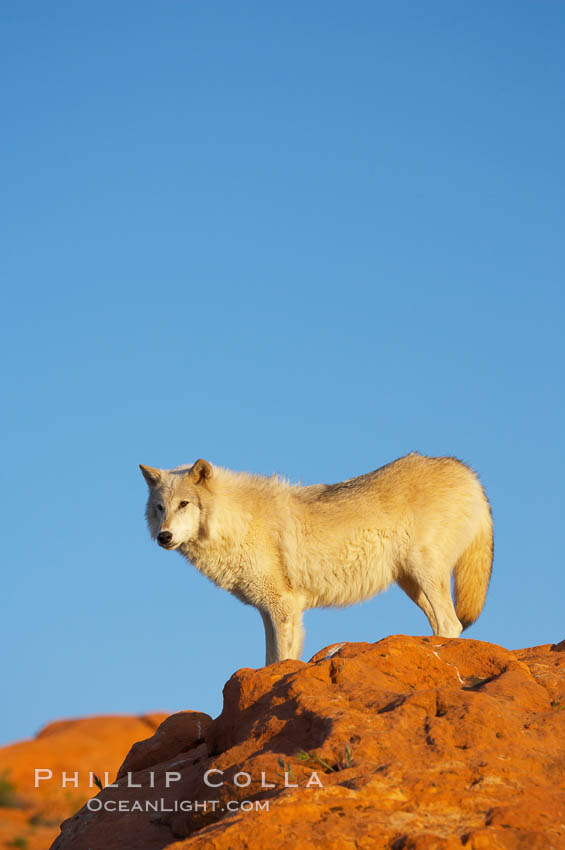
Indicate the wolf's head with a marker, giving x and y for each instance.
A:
(176, 507)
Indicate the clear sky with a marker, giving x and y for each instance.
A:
(299, 237)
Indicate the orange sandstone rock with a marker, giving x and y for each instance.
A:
(31, 815)
(410, 743)
(177, 734)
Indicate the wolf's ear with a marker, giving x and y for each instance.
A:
(201, 471)
(151, 475)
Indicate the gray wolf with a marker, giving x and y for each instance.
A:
(285, 548)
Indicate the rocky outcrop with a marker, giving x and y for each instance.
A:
(177, 734)
(410, 743)
(71, 750)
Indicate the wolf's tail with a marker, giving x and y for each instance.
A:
(472, 574)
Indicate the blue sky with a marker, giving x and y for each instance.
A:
(302, 238)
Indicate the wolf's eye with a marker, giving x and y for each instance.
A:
(160, 508)
(183, 504)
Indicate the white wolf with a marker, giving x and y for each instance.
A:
(285, 548)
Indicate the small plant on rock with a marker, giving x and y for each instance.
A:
(342, 763)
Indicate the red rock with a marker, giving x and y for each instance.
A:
(94, 744)
(177, 734)
(418, 743)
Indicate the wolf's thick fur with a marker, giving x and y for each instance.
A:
(286, 548)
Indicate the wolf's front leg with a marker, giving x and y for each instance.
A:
(297, 636)
(283, 637)
(286, 622)
(269, 637)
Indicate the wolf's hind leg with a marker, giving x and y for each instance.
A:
(434, 585)
(412, 589)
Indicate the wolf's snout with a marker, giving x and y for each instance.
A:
(164, 538)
